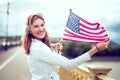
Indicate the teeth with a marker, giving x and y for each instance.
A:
(40, 32)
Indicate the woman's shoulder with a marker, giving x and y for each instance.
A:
(38, 47)
(35, 41)
(37, 44)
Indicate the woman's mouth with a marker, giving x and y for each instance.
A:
(41, 32)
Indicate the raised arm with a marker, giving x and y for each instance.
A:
(99, 47)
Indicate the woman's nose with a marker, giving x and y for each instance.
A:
(40, 28)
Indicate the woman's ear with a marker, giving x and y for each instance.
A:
(30, 31)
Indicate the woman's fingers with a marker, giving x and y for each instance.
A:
(61, 41)
(107, 43)
(103, 45)
(59, 46)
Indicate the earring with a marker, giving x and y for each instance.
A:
(30, 32)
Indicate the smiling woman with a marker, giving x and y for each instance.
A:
(37, 28)
(42, 58)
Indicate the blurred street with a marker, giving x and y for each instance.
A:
(15, 66)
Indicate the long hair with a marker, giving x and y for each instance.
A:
(28, 36)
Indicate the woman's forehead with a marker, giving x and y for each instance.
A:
(38, 21)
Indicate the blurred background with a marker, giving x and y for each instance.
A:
(13, 15)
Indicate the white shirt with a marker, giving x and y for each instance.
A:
(44, 63)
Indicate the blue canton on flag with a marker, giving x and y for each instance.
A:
(73, 23)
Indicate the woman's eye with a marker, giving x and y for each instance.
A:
(42, 25)
(36, 26)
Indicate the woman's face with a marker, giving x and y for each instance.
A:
(38, 29)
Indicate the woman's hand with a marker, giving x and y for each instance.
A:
(58, 46)
(99, 47)
(103, 45)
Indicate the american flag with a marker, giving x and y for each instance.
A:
(79, 30)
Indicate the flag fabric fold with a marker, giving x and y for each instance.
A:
(80, 30)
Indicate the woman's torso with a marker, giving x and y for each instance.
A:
(41, 70)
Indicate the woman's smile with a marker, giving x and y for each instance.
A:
(38, 29)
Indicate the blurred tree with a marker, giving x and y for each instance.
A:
(74, 49)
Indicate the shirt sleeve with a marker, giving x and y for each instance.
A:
(43, 53)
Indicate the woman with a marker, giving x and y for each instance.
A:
(43, 62)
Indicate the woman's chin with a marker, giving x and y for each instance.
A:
(41, 36)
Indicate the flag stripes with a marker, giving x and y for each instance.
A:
(80, 30)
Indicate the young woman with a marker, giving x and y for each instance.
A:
(43, 62)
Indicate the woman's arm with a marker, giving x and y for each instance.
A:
(43, 53)
(99, 47)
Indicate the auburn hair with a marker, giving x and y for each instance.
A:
(27, 38)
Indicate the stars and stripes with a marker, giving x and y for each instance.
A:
(79, 30)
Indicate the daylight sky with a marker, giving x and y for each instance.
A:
(55, 12)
